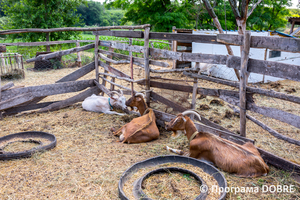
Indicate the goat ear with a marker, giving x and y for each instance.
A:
(113, 97)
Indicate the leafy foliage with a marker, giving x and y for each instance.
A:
(94, 13)
(294, 12)
(161, 14)
(269, 15)
(42, 14)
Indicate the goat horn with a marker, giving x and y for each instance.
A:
(121, 92)
(114, 92)
(138, 93)
(191, 112)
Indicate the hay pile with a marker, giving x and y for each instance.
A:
(209, 180)
(88, 162)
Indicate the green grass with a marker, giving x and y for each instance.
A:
(30, 52)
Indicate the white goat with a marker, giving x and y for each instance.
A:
(205, 67)
(96, 103)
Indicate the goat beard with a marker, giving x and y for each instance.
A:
(176, 134)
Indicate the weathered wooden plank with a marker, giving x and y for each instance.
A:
(70, 77)
(269, 93)
(135, 59)
(269, 129)
(2, 48)
(274, 43)
(167, 102)
(205, 58)
(96, 61)
(277, 69)
(7, 86)
(186, 88)
(274, 113)
(201, 127)
(169, 86)
(122, 46)
(121, 78)
(183, 37)
(17, 100)
(296, 31)
(279, 162)
(181, 109)
(102, 88)
(146, 64)
(118, 85)
(280, 70)
(51, 89)
(128, 34)
(243, 81)
(65, 103)
(113, 70)
(22, 108)
(60, 53)
(31, 44)
(271, 68)
(78, 73)
(157, 53)
(50, 30)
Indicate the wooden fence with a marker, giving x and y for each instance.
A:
(242, 99)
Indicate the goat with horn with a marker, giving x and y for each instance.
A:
(96, 103)
(140, 129)
(243, 160)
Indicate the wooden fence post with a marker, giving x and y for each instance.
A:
(146, 64)
(131, 66)
(243, 81)
(78, 62)
(96, 57)
(48, 39)
(195, 88)
(112, 86)
(174, 47)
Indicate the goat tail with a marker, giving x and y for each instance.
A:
(176, 151)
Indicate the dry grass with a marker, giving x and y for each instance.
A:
(185, 186)
(88, 162)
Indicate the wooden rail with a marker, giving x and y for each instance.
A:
(51, 30)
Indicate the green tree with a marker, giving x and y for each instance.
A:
(95, 14)
(92, 13)
(294, 12)
(114, 17)
(269, 15)
(42, 14)
(161, 14)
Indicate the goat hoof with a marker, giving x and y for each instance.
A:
(113, 130)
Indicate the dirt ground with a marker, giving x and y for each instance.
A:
(88, 162)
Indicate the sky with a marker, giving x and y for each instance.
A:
(295, 2)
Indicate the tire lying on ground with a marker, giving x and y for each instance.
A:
(44, 140)
(171, 159)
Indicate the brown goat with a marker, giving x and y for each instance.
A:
(140, 129)
(244, 160)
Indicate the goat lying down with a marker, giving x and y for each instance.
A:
(205, 67)
(96, 103)
(244, 160)
(140, 129)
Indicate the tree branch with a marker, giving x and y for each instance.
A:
(234, 8)
(253, 7)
